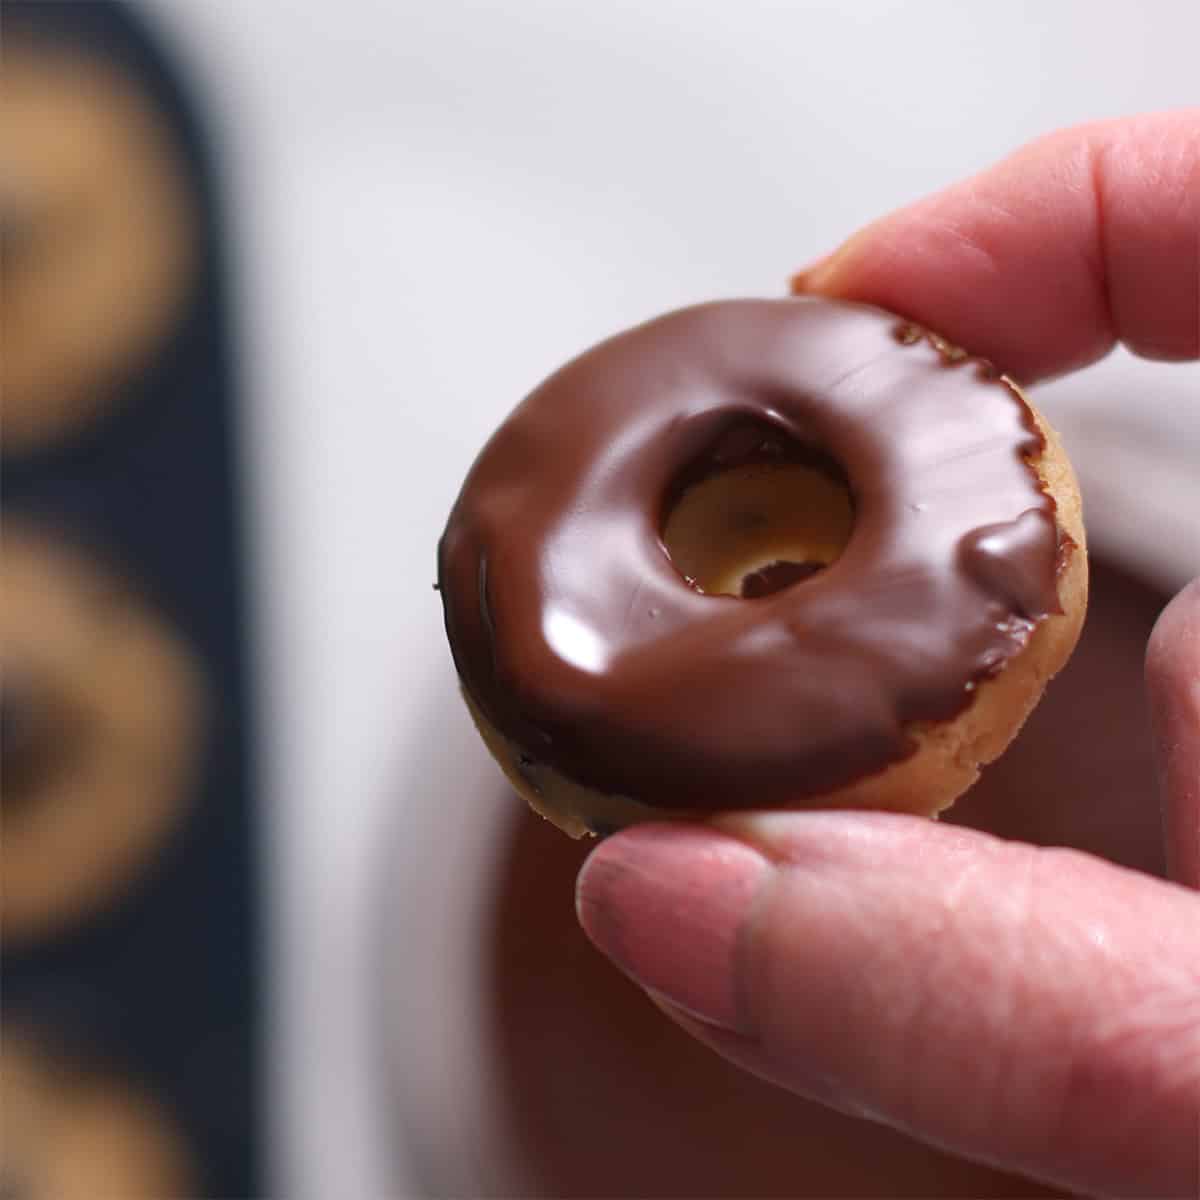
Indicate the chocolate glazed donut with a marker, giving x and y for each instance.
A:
(591, 660)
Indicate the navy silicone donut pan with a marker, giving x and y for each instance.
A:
(165, 981)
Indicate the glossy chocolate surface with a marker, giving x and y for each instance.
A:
(577, 638)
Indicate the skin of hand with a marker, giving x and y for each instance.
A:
(1033, 1008)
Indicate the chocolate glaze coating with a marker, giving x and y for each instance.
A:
(577, 638)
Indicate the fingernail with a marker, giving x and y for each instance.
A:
(827, 275)
(816, 275)
(670, 906)
(802, 279)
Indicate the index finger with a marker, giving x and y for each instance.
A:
(1082, 239)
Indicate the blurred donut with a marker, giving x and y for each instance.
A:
(100, 723)
(75, 1130)
(98, 237)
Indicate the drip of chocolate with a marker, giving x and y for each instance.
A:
(573, 633)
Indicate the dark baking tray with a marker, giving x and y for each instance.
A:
(166, 982)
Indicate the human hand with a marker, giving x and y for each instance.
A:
(1037, 1009)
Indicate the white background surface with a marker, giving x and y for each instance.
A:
(438, 202)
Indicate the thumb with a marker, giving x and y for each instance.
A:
(1173, 686)
(1036, 1009)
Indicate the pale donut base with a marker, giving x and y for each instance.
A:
(949, 754)
(734, 523)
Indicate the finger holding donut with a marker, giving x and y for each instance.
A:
(1036, 1009)
(1047, 280)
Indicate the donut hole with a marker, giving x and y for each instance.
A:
(30, 740)
(757, 528)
